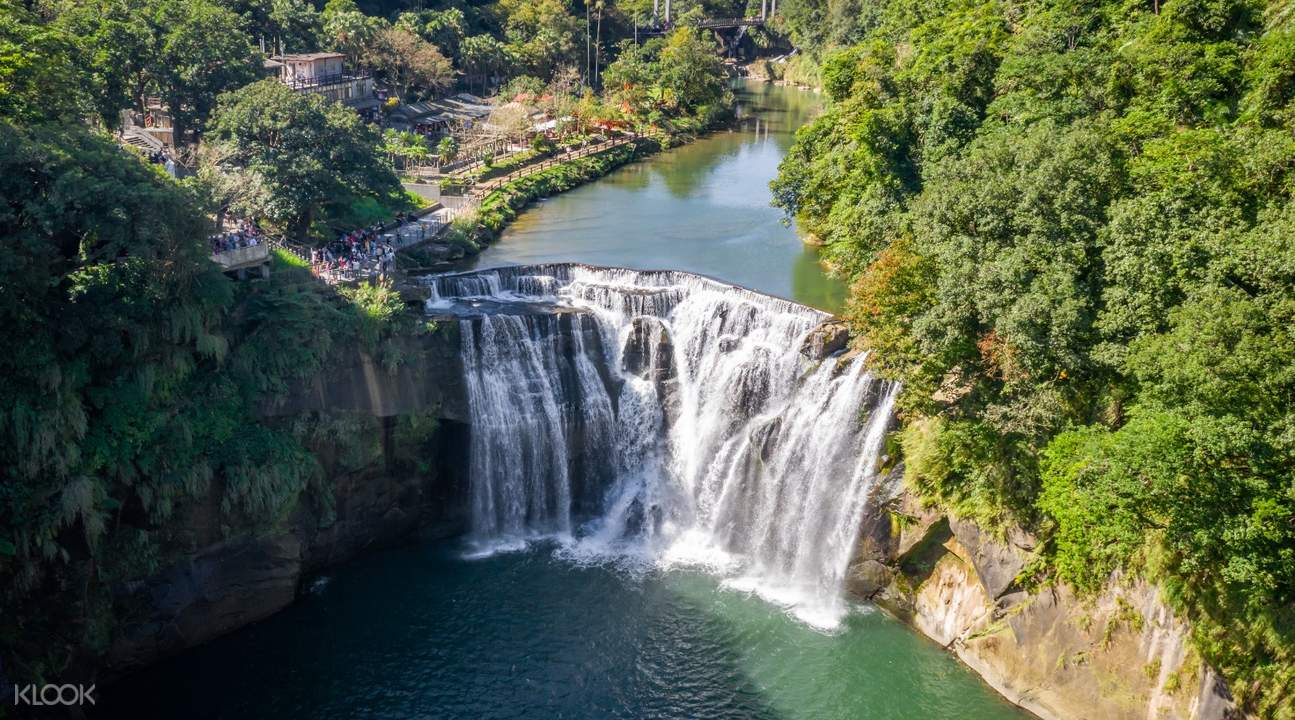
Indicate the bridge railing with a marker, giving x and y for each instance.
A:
(706, 23)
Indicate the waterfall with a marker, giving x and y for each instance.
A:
(665, 419)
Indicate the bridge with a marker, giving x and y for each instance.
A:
(725, 23)
(661, 23)
(661, 28)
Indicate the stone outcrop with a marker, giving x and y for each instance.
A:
(384, 486)
(997, 564)
(1121, 655)
(829, 338)
(427, 377)
(225, 586)
(227, 583)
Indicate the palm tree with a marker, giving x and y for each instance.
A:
(598, 35)
(447, 149)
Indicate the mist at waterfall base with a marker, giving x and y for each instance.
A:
(661, 419)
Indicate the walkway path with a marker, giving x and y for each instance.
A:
(481, 189)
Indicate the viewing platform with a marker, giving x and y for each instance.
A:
(241, 260)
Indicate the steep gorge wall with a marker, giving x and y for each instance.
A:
(390, 442)
(391, 436)
(1120, 655)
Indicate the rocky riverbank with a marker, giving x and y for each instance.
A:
(1120, 655)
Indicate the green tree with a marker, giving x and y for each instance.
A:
(350, 32)
(116, 47)
(112, 303)
(295, 25)
(482, 57)
(37, 76)
(628, 79)
(447, 149)
(691, 68)
(302, 152)
(200, 56)
(543, 34)
(1067, 229)
(443, 28)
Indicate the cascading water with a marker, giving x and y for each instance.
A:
(666, 419)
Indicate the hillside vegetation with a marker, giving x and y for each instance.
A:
(1070, 232)
(133, 369)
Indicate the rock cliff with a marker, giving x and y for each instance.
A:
(1120, 655)
(390, 443)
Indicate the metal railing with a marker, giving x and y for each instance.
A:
(661, 28)
(319, 81)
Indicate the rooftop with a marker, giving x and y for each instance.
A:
(306, 57)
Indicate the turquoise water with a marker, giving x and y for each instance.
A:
(421, 633)
(703, 207)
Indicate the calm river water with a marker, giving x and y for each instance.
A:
(422, 632)
(703, 207)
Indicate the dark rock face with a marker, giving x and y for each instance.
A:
(427, 379)
(870, 571)
(649, 350)
(224, 587)
(230, 583)
(232, 578)
(829, 338)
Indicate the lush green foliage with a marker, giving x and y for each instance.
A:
(186, 53)
(666, 81)
(1070, 230)
(290, 155)
(501, 206)
(134, 371)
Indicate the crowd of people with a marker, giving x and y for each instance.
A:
(247, 234)
(355, 254)
(366, 252)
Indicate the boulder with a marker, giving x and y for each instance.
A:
(868, 577)
(830, 337)
(997, 563)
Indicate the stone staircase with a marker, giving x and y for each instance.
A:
(137, 137)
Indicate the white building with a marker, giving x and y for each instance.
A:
(325, 73)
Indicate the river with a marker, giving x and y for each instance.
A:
(702, 207)
(438, 630)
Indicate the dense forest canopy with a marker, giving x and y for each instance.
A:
(1069, 230)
